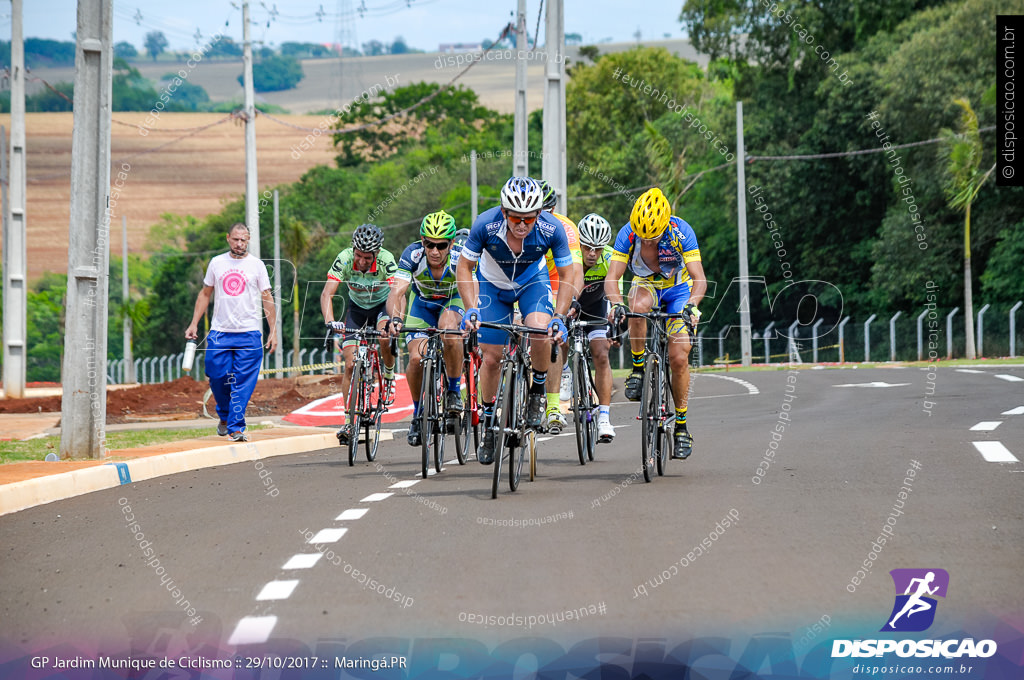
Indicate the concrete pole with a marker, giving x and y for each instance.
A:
(741, 203)
(767, 342)
(842, 341)
(473, 196)
(15, 316)
(279, 350)
(1013, 328)
(981, 330)
(892, 336)
(520, 142)
(949, 332)
(84, 404)
(252, 214)
(129, 376)
(920, 335)
(553, 153)
(867, 337)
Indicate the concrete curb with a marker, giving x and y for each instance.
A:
(47, 489)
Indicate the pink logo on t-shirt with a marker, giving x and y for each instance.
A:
(233, 283)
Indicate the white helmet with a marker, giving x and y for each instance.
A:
(594, 231)
(522, 194)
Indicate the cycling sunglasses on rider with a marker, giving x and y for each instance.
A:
(434, 245)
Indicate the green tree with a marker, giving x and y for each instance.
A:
(125, 50)
(224, 47)
(399, 46)
(275, 73)
(963, 154)
(155, 44)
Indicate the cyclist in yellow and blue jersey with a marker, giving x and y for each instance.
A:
(428, 266)
(661, 251)
(562, 389)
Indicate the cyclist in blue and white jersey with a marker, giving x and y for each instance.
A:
(509, 243)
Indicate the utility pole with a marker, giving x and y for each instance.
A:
(279, 350)
(741, 202)
(553, 157)
(252, 214)
(15, 316)
(129, 358)
(520, 142)
(84, 374)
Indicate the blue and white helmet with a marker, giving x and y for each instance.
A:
(522, 194)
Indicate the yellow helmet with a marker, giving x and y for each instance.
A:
(651, 211)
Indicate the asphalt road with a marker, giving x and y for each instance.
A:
(623, 556)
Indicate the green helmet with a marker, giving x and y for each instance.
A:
(438, 225)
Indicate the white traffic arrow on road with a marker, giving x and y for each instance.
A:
(872, 384)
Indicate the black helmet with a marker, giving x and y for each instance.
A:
(367, 238)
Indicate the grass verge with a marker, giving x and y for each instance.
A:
(36, 449)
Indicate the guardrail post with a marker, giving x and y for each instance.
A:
(291, 364)
(767, 342)
(892, 336)
(949, 332)
(163, 367)
(1013, 328)
(137, 365)
(721, 341)
(814, 340)
(981, 330)
(793, 332)
(144, 378)
(302, 354)
(867, 338)
(842, 341)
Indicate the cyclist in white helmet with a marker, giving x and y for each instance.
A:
(592, 305)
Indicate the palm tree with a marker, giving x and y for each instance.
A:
(962, 153)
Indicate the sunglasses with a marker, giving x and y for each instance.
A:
(434, 245)
(521, 220)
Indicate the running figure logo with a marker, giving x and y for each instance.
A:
(914, 610)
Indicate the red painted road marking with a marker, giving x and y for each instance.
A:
(330, 410)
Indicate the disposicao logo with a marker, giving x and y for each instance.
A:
(914, 611)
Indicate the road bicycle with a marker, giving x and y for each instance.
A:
(512, 434)
(469, 423)
(584, 394)
(435, 422)
(655, 392)
(368, 395)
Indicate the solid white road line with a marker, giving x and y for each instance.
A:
(374, 497)
(277, 590)
(995, 452)
(353, 513)
(1019, 411)
(252, 630)
(302, 561)
(986, 426)
(1009, 378)
(328, 536)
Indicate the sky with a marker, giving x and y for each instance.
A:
(424, 24)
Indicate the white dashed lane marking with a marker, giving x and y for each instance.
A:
(353, 513)
(1019, 411)
(1009, 378)
(302, 561)
(995, 452)
(968, 370)
(374, 497)
(253, 630)
(328, 536)
(277, 590)
(404, 484)
(986, 426)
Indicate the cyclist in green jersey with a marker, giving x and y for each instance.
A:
(368, 271)
(428, 265)
(592, 305)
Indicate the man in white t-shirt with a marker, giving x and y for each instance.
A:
(234, 347)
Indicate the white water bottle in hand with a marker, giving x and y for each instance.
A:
(190, 356)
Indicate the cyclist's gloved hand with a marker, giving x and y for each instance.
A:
(690, 309)
(394, 325)
(575, 308)
(472, 315)
(336, 326)
(556, 328)
(619, 315)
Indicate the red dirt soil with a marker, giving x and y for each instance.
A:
(182, 399)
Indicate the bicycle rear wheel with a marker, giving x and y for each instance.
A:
(650, 412)
(355, 390)
(519, 443)
(502, 420)
(426, 402)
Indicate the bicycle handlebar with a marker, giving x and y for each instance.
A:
(524, 330)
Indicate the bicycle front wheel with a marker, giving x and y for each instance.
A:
(578, 408)
(591, 400)
(503, 418)
(355, 390)
(518, 443)
(439, 417)
(650, 414)
(425, 416)
(664, 433)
